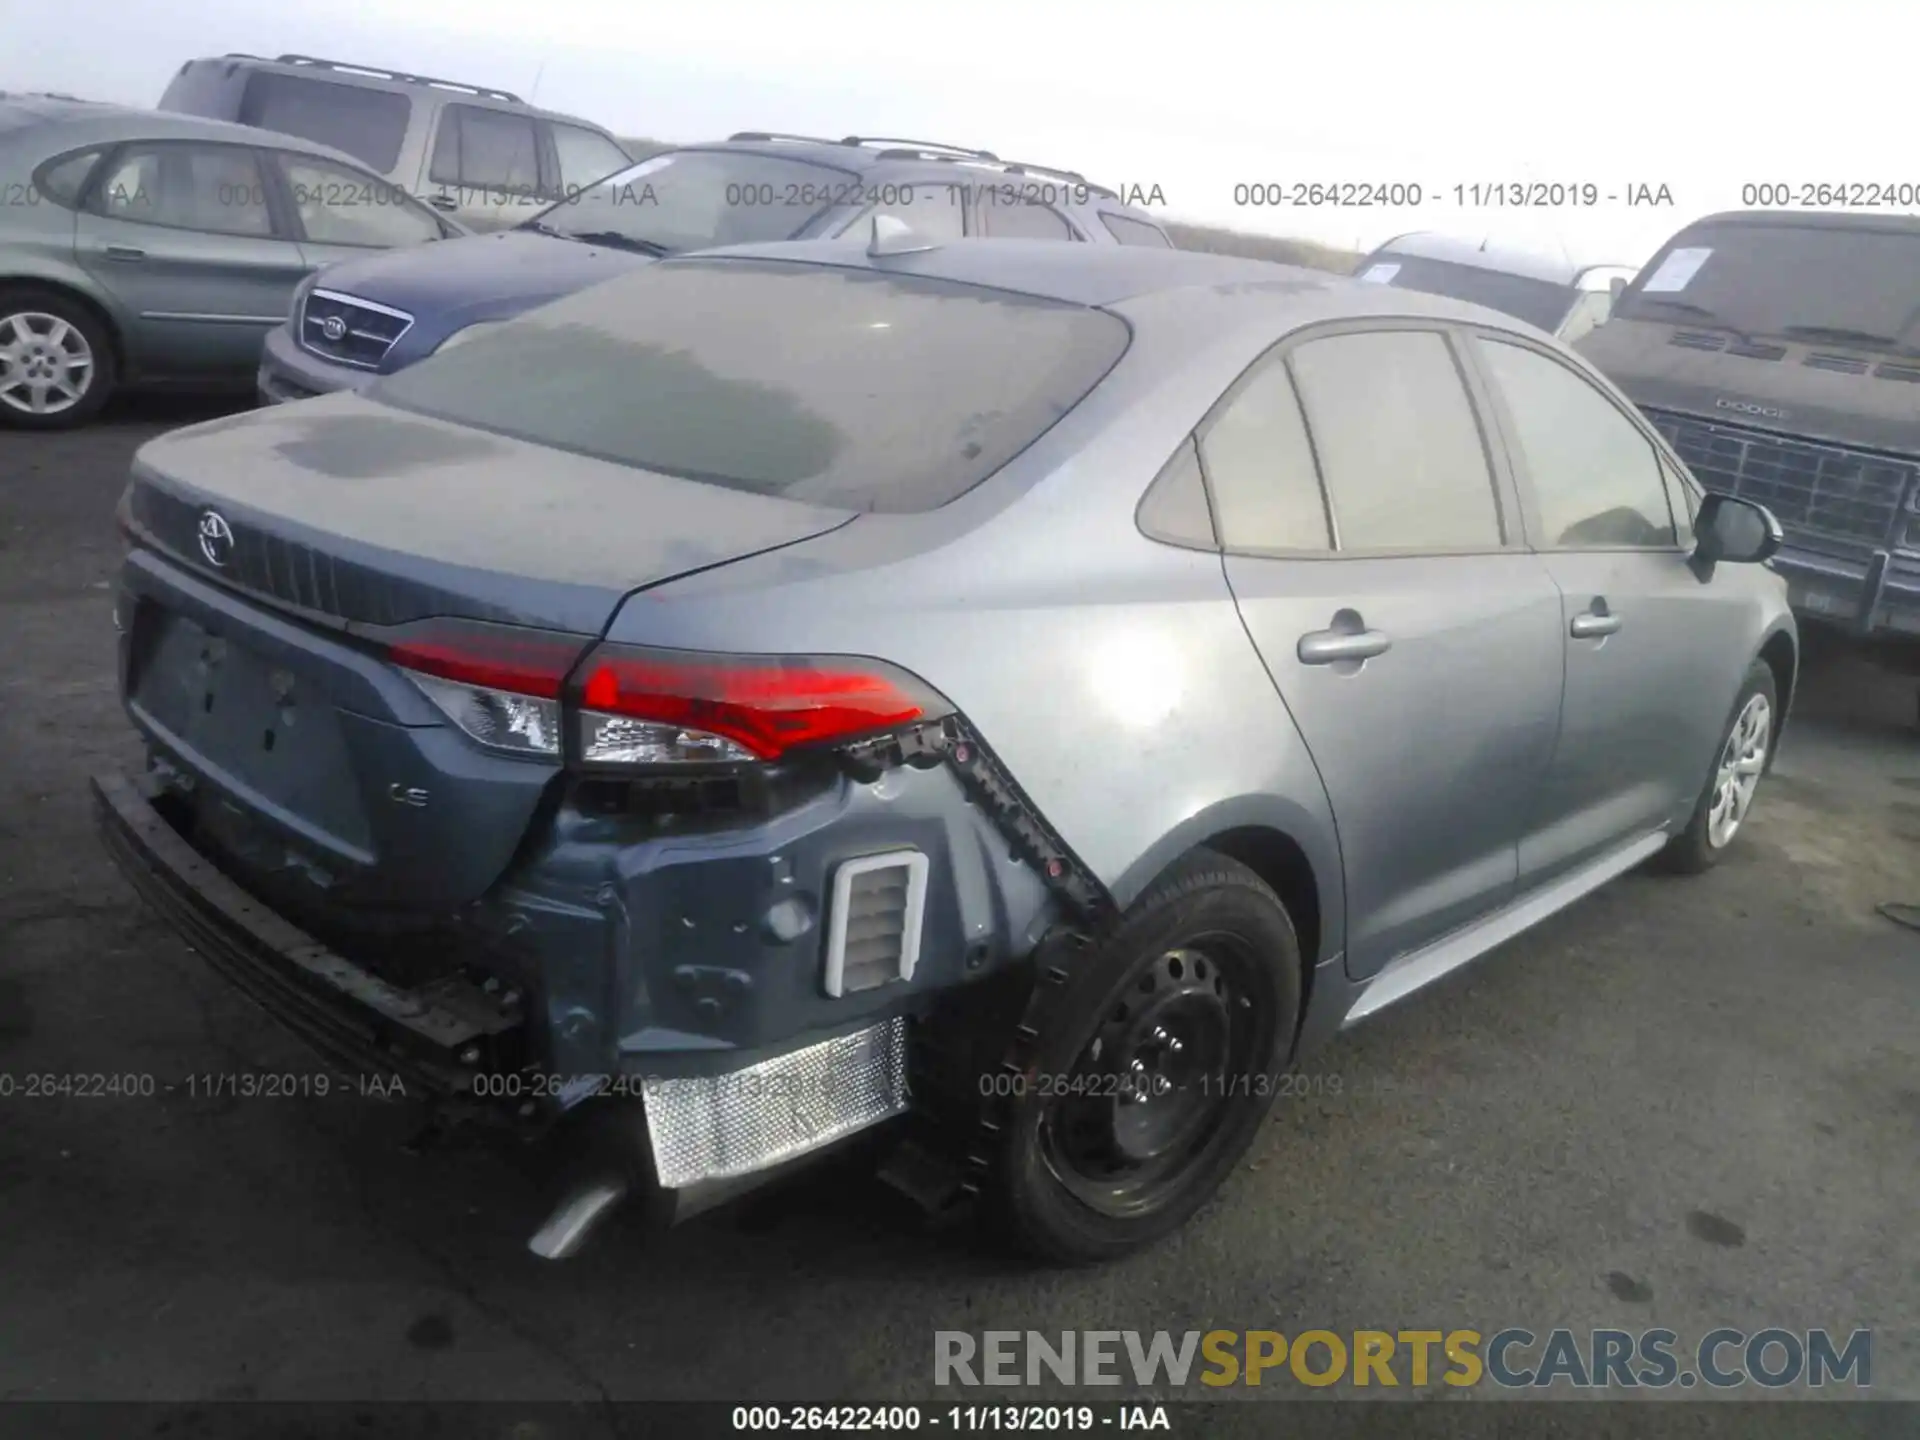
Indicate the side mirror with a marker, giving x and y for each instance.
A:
(1737, 531)
(1617, 287)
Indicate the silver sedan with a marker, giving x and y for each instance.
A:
(141, 249)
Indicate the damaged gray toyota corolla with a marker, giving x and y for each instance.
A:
(1020, 693)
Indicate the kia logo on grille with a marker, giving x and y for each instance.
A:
(216, 539)
(1747, 407)
(333, 327)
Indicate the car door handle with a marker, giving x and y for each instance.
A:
(1329, 647)
(1593, 625)
(443, 202)
(124, 252)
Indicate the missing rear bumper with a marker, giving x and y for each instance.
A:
(435, 1040)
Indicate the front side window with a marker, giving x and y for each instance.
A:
(369, 124)
(585, 157)
(217, 189)
(1595, 478)
(1683, 497)
(1400, 450)
(338, 206)
(486, 150)
(1260, 466)
(841, 387)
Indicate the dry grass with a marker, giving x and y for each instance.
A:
(1187, 237)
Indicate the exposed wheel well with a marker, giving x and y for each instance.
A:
(16, 284)
(1276, 859)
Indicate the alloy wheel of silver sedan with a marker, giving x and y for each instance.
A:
(1742, 761)
(46, 363)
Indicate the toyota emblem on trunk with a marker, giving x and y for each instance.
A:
(216, 539)
(333, 327)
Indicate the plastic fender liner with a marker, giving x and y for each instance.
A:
(1090, 907)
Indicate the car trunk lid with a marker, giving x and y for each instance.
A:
(273, 552)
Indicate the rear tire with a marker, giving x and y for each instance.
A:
(1745, 753)
(56, 354)
(1208, 962)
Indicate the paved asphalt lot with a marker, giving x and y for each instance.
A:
(1682, 1103)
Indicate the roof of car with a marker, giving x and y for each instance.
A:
(375, 77)
(1484, 255)
(81, 122)
(1104, 275)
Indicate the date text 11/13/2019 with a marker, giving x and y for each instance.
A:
(1476, 195)
(962, 1419)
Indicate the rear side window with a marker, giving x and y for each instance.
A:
(935, 211)
(217, 189)
(368, 124)
(1174, 509)
(1399, 448)
(1025, 221)
(487, 150)
(838, 387)
(64, 179)
(1261, 468)
(1129, 231)
(1595, 478)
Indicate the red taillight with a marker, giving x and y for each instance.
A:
(498, 657)
(768, 704)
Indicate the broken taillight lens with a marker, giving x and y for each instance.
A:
(499, 684)
(652, 707)
(514, 691)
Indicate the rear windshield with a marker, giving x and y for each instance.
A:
(1538, 302)
(839, 387)
(699, 199)
(1786, 281)
(368, 124)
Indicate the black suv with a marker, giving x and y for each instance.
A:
(1780, 353)
(373, 316)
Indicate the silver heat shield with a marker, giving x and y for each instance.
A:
(714, 1127)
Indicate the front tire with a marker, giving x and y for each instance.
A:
(56, 361)
(1746, 751)
(1153, 1067)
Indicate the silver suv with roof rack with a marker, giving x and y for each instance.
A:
(480, 154)
(361, 320)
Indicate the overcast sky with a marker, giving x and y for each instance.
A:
(1194, 98)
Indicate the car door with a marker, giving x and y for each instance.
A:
(1653, 654)
(183, 235)
(485, 166)
(341, 213)
(1378, 567)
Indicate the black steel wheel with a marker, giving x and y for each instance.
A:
(1153, 1066)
